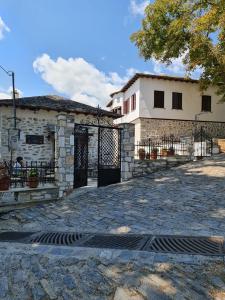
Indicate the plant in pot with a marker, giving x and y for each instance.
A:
(32, 178)
(154, 153)
(4, 178)
(171, 151)
(141, 153)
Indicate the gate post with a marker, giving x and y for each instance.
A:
(64, 153)
(127, 150)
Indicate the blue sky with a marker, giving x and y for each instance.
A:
(78, 49)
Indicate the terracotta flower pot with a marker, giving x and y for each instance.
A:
(154, 155)
(170, 152)
(164, 152)
(141, 153)
(32, 182)
(4, 184)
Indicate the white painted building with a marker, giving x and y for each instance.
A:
(164, 105)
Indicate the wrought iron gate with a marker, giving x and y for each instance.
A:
(108, 159)
(203, 144)
(109, 155)
(80, 155)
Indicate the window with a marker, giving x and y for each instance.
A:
(206, 103)
(158, 99)
(133, 102)
(126, 106)
(177, 101)
(117, 110)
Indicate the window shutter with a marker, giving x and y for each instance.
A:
(177, 100)
(206, 103)
(159, 99)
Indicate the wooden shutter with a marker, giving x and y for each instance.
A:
(206, 103)
(177, 100)
(159, 99)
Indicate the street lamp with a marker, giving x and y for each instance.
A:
(12, 74)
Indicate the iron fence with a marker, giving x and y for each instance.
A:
(20, 176)
(156, 148)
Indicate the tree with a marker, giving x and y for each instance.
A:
(194, 29)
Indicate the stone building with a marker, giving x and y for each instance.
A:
(163, 105)
(35, 138)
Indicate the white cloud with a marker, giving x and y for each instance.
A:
(3, 28)
(177, 67)
(7, 94)
(78, 79)
(138, 8)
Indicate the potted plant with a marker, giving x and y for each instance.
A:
(32, 178)
(164, 152)
(4, 178)
(154, 153)
(171, 151)
(141, 153)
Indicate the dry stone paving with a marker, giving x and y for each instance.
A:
(187, 200)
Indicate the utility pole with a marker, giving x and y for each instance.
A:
(12, 74)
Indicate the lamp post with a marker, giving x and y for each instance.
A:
(12, 74)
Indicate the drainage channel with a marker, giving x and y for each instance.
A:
(209, 246)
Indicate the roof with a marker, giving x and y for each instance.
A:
(56, 103)
(152, 76)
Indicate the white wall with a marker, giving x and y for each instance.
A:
(191, 101)
(132, 115)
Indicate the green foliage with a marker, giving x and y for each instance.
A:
(194, 29)
(33, 173)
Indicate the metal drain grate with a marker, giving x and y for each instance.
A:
(131, 242)
(164, 243)
(57, 238)
(185, 245)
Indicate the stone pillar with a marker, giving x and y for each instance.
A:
(127, 150)
(64, 153)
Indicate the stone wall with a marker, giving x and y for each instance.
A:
(64, 152)
(29, 124)
(127, 150)
(20, 196)
(145, 167)
(160, 127)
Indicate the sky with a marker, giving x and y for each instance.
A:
(79, 49)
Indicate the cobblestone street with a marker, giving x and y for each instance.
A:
(185, 200)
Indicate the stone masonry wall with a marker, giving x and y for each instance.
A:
(127, 150)
(29, 124)
(145, 167)
(157, 127)
(64, 152)
(28, 195)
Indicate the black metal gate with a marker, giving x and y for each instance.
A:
(203, 144)
(108, 158)
(109, 155)
(80, 155)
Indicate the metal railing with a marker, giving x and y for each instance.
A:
(20, 175)
(157, 148)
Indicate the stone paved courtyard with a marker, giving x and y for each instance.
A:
(186, 200)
